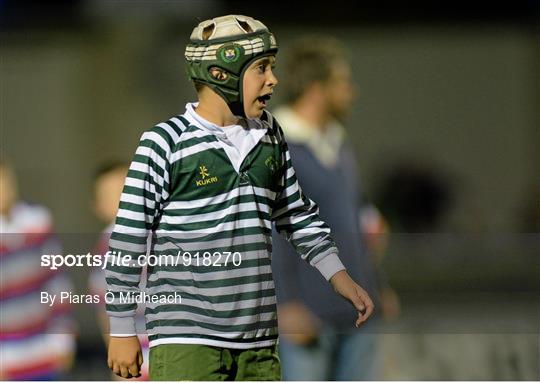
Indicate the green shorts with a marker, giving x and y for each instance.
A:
(200, 362)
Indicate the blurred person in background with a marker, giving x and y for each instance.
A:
(108, 183)
(37, 340)
(317, 341)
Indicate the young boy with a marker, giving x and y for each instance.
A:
(207, 186)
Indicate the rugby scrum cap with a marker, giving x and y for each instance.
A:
(221, 49)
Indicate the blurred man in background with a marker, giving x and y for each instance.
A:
(317, 341)
(108, 183)
(37, 340)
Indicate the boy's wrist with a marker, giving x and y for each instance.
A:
(339, 277)
(122, 326)
(329, 266)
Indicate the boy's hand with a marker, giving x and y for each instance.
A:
(125, 356)
(350, 290)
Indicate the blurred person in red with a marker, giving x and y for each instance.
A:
(37, 340)
(317, 341)
(108, 183)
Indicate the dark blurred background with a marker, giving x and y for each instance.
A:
(446, 127)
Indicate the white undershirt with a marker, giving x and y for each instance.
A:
(236, 140)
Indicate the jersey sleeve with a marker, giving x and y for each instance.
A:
(296, 217)
(145, 191)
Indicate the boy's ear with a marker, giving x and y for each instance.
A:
(218, 73)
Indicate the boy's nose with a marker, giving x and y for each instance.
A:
(271, 79)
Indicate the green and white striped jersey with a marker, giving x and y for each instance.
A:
(204, 229)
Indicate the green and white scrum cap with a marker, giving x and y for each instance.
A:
(228, 43)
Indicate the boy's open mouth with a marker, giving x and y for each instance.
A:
(264, 98)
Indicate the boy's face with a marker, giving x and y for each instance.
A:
(259, 83)
(107, 190)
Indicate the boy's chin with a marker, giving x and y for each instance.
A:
(254, 113)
